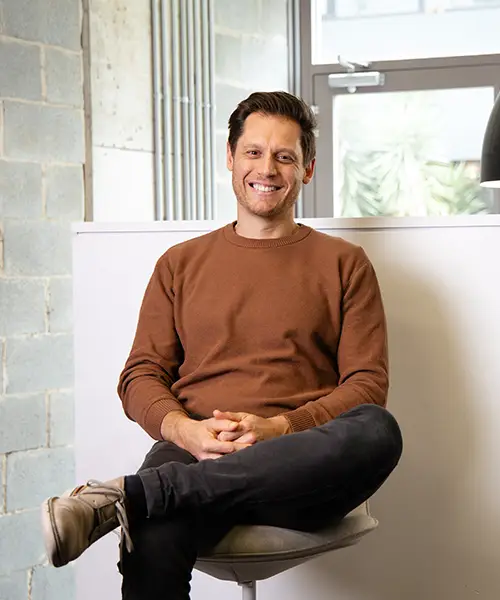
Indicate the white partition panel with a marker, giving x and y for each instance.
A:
(440, 510)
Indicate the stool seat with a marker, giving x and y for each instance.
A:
(256, 552)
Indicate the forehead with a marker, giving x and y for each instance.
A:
(271, 130)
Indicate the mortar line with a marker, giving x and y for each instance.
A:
(35, 278)
(53, 163)
(8, 38)
(46, 312)
(44, 103)
(30, 582)
(2, 129)
(47, 419)
(36, 336)
(4, 483)
(23, 395)
(2, 246)
(43, 168)
(43, 73)
(3, 364)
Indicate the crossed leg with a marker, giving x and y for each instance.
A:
(299, 481)
(179, 505)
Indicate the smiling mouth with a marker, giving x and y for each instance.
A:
(264, 188)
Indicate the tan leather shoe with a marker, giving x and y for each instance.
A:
(74, 521)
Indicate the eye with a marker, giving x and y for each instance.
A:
(252, 152)
(285, 158)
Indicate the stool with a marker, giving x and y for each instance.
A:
(251, 553)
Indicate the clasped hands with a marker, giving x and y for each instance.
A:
(225, 433)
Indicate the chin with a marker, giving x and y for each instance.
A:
(264, 210)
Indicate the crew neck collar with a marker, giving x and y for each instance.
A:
(238, 240)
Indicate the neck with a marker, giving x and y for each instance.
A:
(259, 228)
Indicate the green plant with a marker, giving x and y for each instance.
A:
(385, 142)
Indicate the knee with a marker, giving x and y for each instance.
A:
(388, 432)
(381, 431)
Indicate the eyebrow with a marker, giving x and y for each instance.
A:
(279, 151)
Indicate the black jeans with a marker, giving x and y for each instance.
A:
(298, 481)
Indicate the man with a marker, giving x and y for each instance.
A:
(259, 363)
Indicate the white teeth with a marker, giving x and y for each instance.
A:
(264, 188)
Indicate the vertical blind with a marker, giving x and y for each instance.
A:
(184, 107)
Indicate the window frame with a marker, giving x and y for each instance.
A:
(407, 75)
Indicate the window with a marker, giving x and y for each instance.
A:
(376, 30)
(345, 9)
(407, 141)
(401, 154)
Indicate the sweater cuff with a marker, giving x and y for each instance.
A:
(155, 414)
(300, 419)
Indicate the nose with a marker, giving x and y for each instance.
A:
(267, 167)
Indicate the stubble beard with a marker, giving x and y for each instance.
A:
(278, 209)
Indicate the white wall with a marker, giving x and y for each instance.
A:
(439, 512)
(121, 110)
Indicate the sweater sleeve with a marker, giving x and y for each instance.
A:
(361, 354)
(152, 367)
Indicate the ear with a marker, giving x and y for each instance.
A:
(309, 172)
(229, 157)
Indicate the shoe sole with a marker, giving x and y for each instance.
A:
(50, 535)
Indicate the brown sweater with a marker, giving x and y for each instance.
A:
(291, 326)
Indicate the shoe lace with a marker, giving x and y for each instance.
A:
(118, 494)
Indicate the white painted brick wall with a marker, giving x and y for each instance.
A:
(62, 416)
(17, 57)
(27, 423)
(14, 585)
(64, 192)
(60, 309)
(21, 544)
(43, 133)
(36, 248)
(20, 190)
(41, 192)
(52, 22)
(22, 308)
(34, 475)
(63, 77)
(49, 584)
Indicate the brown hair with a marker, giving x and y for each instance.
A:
(280, 104)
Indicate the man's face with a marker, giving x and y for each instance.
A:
(268, 166)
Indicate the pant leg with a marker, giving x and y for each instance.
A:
(331, 468)
(165, 549)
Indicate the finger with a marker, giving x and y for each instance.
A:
(240, 446)
(219, 447)
(229, 436)
(248, 438)
(231, 416)
(222, 425)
